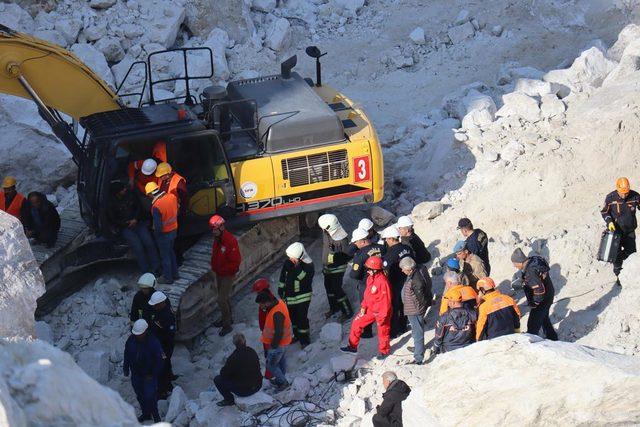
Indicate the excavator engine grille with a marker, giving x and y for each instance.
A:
(316, 168)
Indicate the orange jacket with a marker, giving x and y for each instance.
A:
(468, 294)
(177, 186)
(269, 326)
(15, 206)
(498, 315)
(166, 205)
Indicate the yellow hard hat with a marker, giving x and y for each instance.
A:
(8, 182)
(150, 188)
(163, 169)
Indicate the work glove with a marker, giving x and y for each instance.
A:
(612, 226)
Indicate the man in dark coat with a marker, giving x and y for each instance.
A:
(389, 412)
(140, 308)
(40, 219)
(416, 298)
(477, 241)
(240, 374)
(163, 326)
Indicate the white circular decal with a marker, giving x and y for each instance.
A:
(248, 190)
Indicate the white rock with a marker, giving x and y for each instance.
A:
(331, 333)
(348, 7)
(299, 389)
(552, 106)
(102, 4)
(519, 105)
(95, 60)
(21, 281)
(255, 403)
(343, 363)
(218, 41)
(14, 17)
(349, 421)
(587, 72)
(266, 6)
(463, 16)
(460, 33)
(532, 87)
(417, 36)
(69, 28)
(628, 34)
(279, 35)
(325, 374)
(358, 408)
(496, 30)
(43, 332)
(512, 151)
(176, 403)
(460, 137)
(111, 48)
(490, 155)
(95, 364)
(427, 211)
(166, 24)
(480, 110)
(628, 66)
(53, 36)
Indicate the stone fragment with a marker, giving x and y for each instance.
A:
(460, 33)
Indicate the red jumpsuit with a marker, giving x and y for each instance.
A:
(377, 307)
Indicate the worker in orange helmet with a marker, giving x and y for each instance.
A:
(619, 212)
(455, 328)
(452, 280)
(376, 307)
(225, 264)
(498, 314)
(262, 285)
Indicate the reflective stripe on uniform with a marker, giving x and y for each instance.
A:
(299, 299)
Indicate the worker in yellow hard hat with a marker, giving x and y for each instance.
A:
(164, 211)
(10, 200)
(619, 212)
(172, 182)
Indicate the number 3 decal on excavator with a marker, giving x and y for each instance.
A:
(362, 168)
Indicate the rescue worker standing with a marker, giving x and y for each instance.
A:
(10, 200)
(376, 307)
(225, 264)
(164, 211)
(394, 253)
(163, 327)
(144, 359)
(416, 297)
(365, 249)
(410, 238)
(619, 213)
(539, 291)
(455, 328)
(476, 241)
(172, 182)
(140, 308)
(262, 285)
(471, 266)
(276, 336)
(498, 314)
(40, 219)
(335, 257)
(295, 288)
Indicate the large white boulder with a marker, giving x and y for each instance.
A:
(628, 67)
(177, 403)
(518, 104)
(166, 18)
(16, 18)
(587, 72)
(480, 110)
(50, 389)
(628, 34)
(21, 282)
(95, 364)
(255, 403)
(279, 35)
(94, 59)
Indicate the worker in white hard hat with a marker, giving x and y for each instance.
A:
(295, 288)
(142, 172)
(396, 250)
(140, 308)
(368, 225)
(410, 238)
(144, 359)
(163, 327)
(335, 257)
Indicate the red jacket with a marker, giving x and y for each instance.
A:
(377, 296)
(225, 255)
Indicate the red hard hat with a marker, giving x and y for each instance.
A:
(374, 263)
(216, 221)
(260, 285)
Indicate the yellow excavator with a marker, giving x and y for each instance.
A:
(262, 148)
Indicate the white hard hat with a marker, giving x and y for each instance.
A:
(149, 166)
(147, 280)
(157, 298)
(391, 232)
(359, 234)
(404, 221)
(139, 327)
(296, 250)
(328, 221)
(365, 224)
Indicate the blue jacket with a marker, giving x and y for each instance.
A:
(143, 358)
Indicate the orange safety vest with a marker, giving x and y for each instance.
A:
(173, 183)
(14, 207)
(167, 204)
(269, 327)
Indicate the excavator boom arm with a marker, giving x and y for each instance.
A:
(59, 79)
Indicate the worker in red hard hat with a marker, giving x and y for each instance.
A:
(262, 285)
(376, 307)
(225, 263)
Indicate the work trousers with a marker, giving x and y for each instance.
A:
(627, 247)
(167, 255)
(417, 333)
(277, 364)
(227, 388)
(363, 320)
(368, 330)
(141, 243)
(300, 321)
(146, 390)
(338, 300)
(225, 284)
(164, 382)
(539, 319)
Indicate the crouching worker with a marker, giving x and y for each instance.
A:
(498, 314)
(144, 359)
(456, 328)
(376, 307)
(40, 219)
(389, 412)
(276, 335)
(240, 374)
